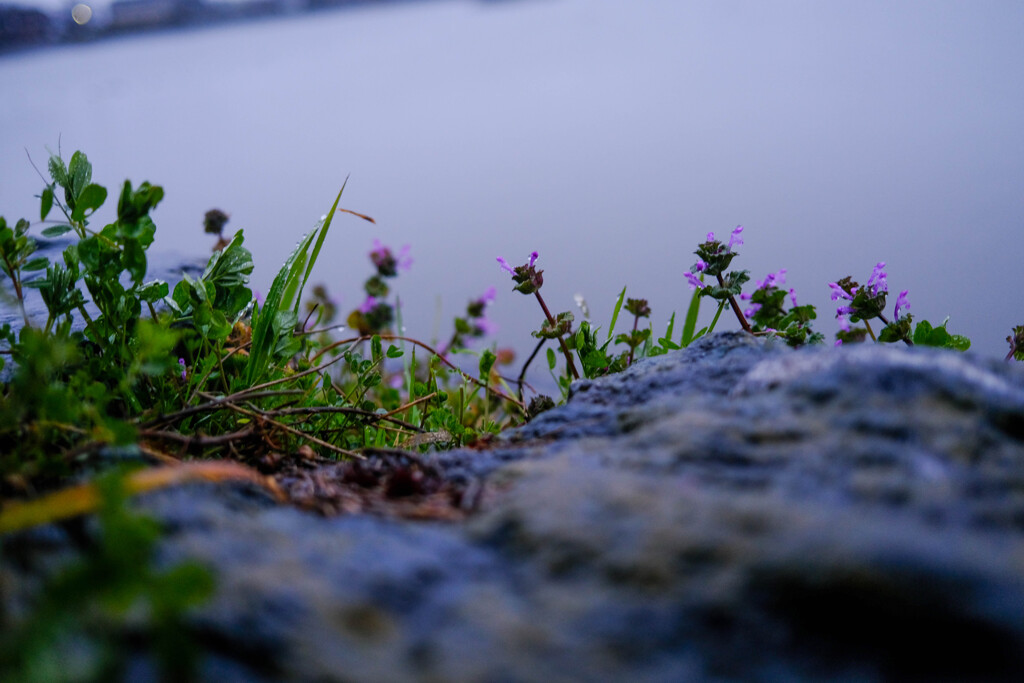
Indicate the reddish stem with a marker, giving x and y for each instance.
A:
(736, 308)
(561, 342)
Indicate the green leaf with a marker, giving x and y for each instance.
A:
(79, 173)
(376, 349)
(153, 291)
(615, 312)
(229, 269)
(394, 351)
(58, 171)
(959, 342)
(671, 327)
(551, 359)
(90, 199)
(38, 263)
(487, 359)
(46, 203)
(57, 230)
(134, 260)
(921, 333)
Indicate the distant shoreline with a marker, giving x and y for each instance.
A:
(25, 28)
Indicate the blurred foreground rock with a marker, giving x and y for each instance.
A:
(734, 511)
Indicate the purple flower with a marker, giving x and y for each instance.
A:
(711, 237)
(877, 283)
(845, 310)
(752, 311)
(476, 308)
(694, 281)
(773, 280)
(902, 305)
(387, 263)
(485, 326)
(505, 266)
(700, 266)
(533, 258)
(734, 239)
(367, 305)
(181, 362)
(844, 324)
(838, 292)
(792, 296)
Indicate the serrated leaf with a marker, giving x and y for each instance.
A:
(487, 359)
(79, 173)
(959, 342)
(58, 171)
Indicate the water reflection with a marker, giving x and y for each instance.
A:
(608, 135)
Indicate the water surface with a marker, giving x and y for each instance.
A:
(609, 135)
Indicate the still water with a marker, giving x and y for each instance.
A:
(609, 135)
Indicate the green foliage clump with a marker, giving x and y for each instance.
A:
(111, 603)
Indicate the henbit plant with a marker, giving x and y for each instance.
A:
(868, 302)
(771, 310)
(210, 371)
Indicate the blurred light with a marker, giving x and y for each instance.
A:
(81, 14)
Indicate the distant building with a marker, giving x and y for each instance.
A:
(20, 26)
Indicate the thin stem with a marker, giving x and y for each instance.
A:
(522, 373)
(736, 308)
(291, 430)
(396, 337)
(314, 410)
(636, 321)
(16, 281)
(870, 331)
(718, 314)
(561, 342)
(214, 404)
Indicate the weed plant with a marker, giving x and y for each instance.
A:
(208, 370)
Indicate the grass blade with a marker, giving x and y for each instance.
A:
(615, 313)
(264, 330)
(319, 243)
(691, 318)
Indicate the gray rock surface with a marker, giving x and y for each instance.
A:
(734, 511)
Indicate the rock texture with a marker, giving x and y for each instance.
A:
(734, 511)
